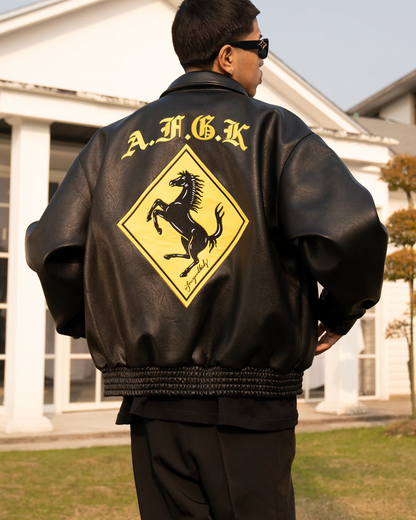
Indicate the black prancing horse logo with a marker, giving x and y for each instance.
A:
(194, 237)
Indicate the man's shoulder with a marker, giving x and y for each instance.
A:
(288, 126)
(119, 127)
(280, 111)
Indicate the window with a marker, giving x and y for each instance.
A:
(4, 258)
(70, 374)
(367, 355)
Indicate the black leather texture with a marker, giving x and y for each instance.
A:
(307, 221)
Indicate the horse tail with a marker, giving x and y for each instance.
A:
(219, 213)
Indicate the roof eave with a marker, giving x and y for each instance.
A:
(45, 9)
(73, 94)
(340, 113)
(394, 90)
(40, 12)
(363, 137)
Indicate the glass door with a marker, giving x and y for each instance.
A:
(4, 258)
(84, 386)
(367, 357)
(72, 383)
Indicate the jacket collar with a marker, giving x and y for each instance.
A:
(204, 79)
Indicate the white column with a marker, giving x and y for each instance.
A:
(26, 317)
(341, 375)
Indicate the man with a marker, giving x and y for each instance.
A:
(190, 262)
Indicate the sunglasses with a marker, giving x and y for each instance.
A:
(260, 45)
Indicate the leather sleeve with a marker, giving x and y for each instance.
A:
(55, 251)
(334, 223)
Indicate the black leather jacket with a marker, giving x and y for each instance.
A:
(186, 241)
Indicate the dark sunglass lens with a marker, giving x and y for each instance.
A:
(263, 53)
(264, 49)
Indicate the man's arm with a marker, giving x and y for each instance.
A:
(334, 223)
(55, 251)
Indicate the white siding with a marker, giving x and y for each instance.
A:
(120, 49)
(400, 110)
(397, 304)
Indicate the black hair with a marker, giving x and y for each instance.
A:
(202, 27)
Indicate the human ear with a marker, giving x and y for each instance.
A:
(226, 58)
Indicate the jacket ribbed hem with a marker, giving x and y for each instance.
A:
(198, 381)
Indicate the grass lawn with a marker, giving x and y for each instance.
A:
(340, 475)
(81, 484)
(355, 475)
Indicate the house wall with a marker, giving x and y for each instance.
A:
(397, 296)
(398, 355)
(127, 45)
(392, 354)
(369, 176)
(401, 110)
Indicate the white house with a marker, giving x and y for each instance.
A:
(68, 67)
(392, 112)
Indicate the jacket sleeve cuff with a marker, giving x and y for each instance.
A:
(337, 322)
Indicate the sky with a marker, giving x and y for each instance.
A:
(346, 50)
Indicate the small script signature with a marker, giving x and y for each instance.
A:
(194, 280)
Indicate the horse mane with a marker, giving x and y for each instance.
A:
(197, 191)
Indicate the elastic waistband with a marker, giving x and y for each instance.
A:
(196, 381)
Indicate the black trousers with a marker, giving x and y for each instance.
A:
(193, 471)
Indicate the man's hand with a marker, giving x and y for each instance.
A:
(325, 339)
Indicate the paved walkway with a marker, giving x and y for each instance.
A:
(378, 413)
(86, 429)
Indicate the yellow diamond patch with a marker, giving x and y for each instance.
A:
(185, 224)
